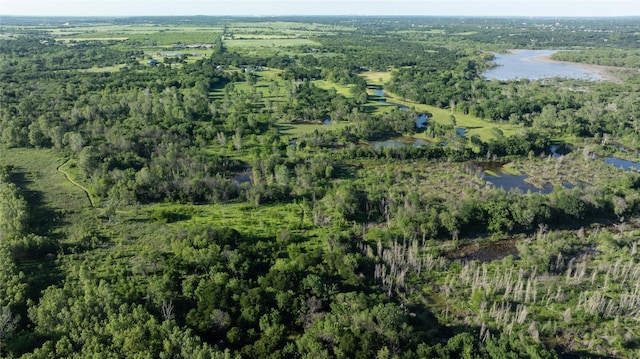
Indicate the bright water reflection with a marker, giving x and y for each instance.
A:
(534, 65)
(510, 182)
(421, 122)
(624, 164)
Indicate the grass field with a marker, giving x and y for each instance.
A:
(473, 125)
(262, 43)
(262, 37)
(285, 26)
(80, 39)
(57, 207)
(344, 90)
(38, 170)
(153, 34)
(377, 77)
(264, 221)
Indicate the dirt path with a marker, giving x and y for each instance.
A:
(66, 175)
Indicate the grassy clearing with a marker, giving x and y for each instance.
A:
(38, 171)
(263, 37)
(263, 85)
(344, 90)
(263, 221)
(421, 31)
(80, 39)
(377, 77)
(269, 43)
(473, 125)
(284, 26)
(152, 34)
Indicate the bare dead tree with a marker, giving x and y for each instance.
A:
(167, 310)
(8, 323)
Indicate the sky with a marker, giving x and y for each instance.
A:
(559, 8)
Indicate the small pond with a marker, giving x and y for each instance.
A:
(559, 150)
(243, 176)
(380, 93)
(461, 131)
(624, 164)
(420, 142)
(507, 181)
(534, 65)
(421, 122)
(510, 182)
(388, 144)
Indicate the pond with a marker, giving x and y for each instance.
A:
(380, 93)
(534, 65)
(461, 131)
(243, 175)
(388, 144)
(509, 182)
(421, 122)
(506, 181)
(624, 164)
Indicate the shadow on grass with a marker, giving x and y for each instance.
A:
(38, 259)
(42, 219)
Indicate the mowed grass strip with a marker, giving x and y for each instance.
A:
(38, 172)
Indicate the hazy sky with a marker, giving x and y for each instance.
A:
(322, 7)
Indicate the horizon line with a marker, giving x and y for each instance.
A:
(332, 15)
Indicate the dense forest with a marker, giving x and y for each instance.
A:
(317, 187)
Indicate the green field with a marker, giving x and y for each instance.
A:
(377, 78)
(344, 90)
(38, 170)
(269, 43)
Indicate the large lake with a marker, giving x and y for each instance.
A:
(534, 65)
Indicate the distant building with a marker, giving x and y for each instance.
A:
(153, 62)
(254, 69)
